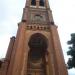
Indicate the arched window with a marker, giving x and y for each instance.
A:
(33, 2)
(41, 2)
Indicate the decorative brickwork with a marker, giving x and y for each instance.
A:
(37, 27)
(36, 50)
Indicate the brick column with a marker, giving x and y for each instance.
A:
(10, 48)
(58, 51)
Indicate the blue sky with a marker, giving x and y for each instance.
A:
(11, 13)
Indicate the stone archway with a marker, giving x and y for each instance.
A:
(36, 58)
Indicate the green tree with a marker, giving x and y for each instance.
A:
(71, 52)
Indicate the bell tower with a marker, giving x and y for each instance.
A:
(36, 50)
(37, 12)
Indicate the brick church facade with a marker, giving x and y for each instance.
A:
(36, 49)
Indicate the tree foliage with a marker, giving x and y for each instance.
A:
(71, 52)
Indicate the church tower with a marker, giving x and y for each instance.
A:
(36, 50)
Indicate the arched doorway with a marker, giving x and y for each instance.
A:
(36, 58)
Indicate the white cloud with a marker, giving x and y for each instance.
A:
(72, 71)
(4, 41)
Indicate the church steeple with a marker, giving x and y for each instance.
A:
(36, 50)
(35, 6)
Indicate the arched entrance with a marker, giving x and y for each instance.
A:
(36, 58)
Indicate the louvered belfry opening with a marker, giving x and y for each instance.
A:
(41, 2)
(36, 56)
(33, 2)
